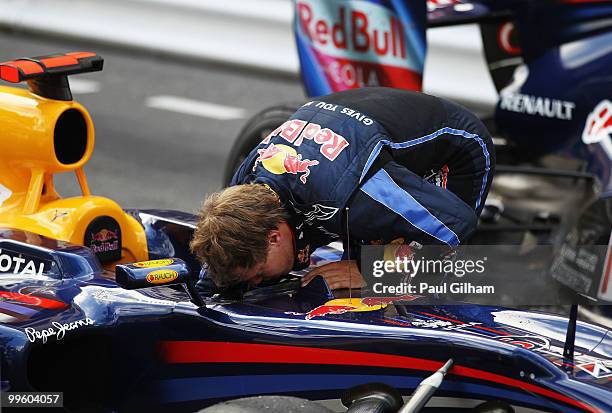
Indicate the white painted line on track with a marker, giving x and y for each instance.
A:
(195, 107)
(84, 86)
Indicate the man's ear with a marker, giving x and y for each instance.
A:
(274, 237)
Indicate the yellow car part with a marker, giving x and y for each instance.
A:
(38, 138)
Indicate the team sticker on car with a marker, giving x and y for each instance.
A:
(20, 265)
(153, 263)
(598, 126)
(57, 330)
(161, 276)
(597, 368)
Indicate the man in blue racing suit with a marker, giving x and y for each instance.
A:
(376, 164)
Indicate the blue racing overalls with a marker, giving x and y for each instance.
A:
(384, 163)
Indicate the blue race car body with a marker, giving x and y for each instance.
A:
(72, 328)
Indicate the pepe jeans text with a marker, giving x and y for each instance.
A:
(58, 330)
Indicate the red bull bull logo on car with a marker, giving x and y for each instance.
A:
(345, 305)
(324, 310)
(282, 159)
(104, 235)
(104, 240)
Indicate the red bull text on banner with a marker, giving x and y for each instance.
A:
(351, 44)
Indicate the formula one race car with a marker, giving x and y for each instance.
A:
(99, 303)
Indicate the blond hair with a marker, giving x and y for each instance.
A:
(232, 230)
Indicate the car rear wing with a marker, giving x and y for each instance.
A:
(454, 12)
(47, 76)
(498, 30)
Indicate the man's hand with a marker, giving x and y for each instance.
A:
(339, 274)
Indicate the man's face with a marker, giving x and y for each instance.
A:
(279, 260)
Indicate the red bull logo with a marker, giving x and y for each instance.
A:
(355, 30)
(362, 43)
(598, 126)
(296, 130)
(104, 235)
(104, 241)
(282, 159)
(324, 310)
(346, 305)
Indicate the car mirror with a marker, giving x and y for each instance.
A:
(145, 274)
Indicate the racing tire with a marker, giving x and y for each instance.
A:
(257, 128)
(267, 404)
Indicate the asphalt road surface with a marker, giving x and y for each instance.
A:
(164, 128)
